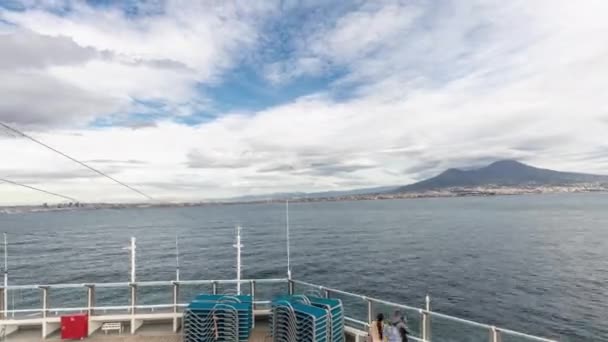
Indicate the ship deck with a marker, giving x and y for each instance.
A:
(156, 332)
(157, 322)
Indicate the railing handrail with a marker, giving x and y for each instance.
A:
(431, 313)
(112, 307)
(241, 281)
(144, 283)
(366, 325)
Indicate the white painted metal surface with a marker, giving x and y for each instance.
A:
(287, 239)
(5, 294)
(238, 245)
(136, 315)
(133, 247)
(176, 259)
(173, 310)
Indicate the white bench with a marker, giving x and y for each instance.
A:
(111, 326)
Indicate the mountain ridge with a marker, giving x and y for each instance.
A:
(501, 173)
(503, 177)
(506, 173)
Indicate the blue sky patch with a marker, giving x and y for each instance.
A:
(244, 89)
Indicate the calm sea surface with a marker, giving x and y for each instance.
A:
(538, 264)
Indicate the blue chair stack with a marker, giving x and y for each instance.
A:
(206, 322)
(334, 307)
(283, 322)
(218, 318)
(245, 309)
(307, 319)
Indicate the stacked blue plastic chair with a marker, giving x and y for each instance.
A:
(295, 316)
(336, 310)
(205, 321)
(283, 322)
(204, 305)
(244, 305)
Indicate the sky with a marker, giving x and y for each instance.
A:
(193, 100)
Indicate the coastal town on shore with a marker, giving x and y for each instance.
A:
(444, 192)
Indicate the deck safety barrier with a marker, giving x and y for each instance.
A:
(260, 300)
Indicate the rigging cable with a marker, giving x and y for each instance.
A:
(19, 133)
(38, 189)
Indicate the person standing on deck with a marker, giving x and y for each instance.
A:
(376, 329)
(397, 331)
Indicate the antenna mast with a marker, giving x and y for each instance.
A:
(238, 247)
(287, 234)
(132, 250)
(176, 259)
(5, 299)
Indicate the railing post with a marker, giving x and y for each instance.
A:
(45, 301)
(426, 325)
(252, 293)
(214, 288)
(175, 307)
(427, 302)
(4, 314)
(290, 287)
(370, 311)
(175, 296)
(90, 299)
(326, 293)
(494, 334)
(45, 308)
(133, 297)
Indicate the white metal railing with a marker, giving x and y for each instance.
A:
(494, 332)
(98, 308)
(365, 325)
(10, 313)
(147, 283)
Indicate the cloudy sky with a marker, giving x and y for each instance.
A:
(208, 99)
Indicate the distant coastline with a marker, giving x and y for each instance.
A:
(500, 178)
(486, 191)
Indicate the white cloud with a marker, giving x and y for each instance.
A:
(428, 88)
(100, 50)
(369, 29)
(199, 36)
(34, 99)
(25, 49)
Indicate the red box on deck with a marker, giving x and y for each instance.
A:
(74, 327)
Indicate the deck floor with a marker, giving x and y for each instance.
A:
(151, 333)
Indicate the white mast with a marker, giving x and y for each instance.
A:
(132, 249)
(238, 247)
(5, 306)
(176, 259)
(287, 234)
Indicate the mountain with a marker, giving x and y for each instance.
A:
(509, 174)
(501, 173)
